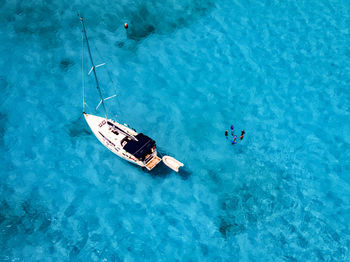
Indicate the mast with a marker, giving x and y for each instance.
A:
(93, 66)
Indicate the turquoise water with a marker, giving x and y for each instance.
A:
(183, 72)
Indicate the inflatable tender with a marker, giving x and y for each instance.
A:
(172, 163)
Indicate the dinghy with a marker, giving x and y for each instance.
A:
(172, 163)
(123, 141)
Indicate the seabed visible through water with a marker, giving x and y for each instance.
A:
(184, 72)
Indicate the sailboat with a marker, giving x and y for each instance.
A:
(123, 141)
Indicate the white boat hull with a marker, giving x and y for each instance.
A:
(101, 127)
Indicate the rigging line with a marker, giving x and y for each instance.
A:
(109, 76)
(160, 154)
(93, 66)
(82, 70)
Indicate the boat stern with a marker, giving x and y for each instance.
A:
(155, 160)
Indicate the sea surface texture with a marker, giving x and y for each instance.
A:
(183, 72)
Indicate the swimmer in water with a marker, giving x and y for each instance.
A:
(226, 134)
(234, 140)
(231, 130)
(242, 134)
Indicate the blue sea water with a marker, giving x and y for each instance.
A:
(184, 72)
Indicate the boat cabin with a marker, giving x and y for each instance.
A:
(140, 148)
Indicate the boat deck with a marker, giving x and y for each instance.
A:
(152, 163)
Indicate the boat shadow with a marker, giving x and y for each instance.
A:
(162, 171)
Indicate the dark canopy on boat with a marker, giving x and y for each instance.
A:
(141, 147)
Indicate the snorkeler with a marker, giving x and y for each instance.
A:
(234, 140)
(242, 134)
(226, 134)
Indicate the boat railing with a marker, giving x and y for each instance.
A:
(148, 158)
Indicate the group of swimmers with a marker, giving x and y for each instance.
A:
(234, 136)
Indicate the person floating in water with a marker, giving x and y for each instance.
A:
(234, 140)
(242, 134)
(231, 130)
(226, 134)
